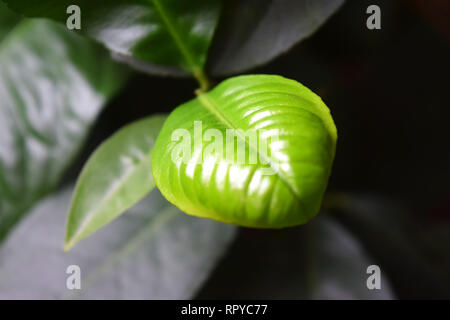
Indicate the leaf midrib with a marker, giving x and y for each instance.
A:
(105, 199)
(171, 28)
(210, 105)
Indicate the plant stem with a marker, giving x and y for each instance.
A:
(202, 79)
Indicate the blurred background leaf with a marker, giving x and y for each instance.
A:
(169, 33)
(253, 32)
(319, 260)
(153, 251)
(53, 85)
(340, 268)
(414, 253)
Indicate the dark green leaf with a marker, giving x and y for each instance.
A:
(163, 32)
(116, 176)
(252, 32)
(53, 84)
(279, 183)
(153, 251)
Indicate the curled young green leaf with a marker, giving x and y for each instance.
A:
(256, 151)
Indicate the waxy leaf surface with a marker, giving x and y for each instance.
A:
(280, 180)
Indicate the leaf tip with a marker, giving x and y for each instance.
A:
(68, 246)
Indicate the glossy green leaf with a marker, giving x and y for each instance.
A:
(116, 176)
(253, 32)
(282, 185)
(153, 251)
(162, 32)
(53, 84)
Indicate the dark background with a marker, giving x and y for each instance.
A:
(388, 91)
